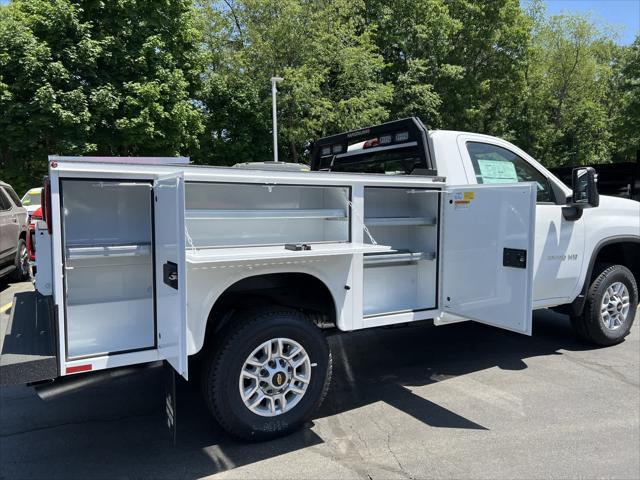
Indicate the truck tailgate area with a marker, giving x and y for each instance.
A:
(29, 344)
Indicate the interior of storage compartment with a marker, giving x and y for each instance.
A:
(404, 278)
(234, 215)
(108, 255)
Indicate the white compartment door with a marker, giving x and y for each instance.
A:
(487, 254)
(171, 291)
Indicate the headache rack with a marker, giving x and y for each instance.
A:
(400, 146)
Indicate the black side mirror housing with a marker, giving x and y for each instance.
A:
(585, 187)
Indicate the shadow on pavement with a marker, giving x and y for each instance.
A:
(117, 429)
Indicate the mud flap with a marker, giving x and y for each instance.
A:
(169, 375)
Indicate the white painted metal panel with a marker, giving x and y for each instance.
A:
(479, 222)
(171, 302)
(57, 268)
(108, 266)
(92, 326)
(44, 259)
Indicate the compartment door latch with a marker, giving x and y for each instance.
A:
(514, 257)
(170, 274)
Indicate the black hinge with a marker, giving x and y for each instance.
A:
(170, 274)
(513, 257)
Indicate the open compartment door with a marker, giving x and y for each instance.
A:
(171, 291)
(487, 254)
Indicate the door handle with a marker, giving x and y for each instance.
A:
(170, 274)
(514, 257)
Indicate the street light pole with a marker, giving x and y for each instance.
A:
(274, 90)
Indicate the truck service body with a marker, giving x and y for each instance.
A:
(244, 271)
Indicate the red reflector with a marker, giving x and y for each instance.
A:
(46, 203)
(79, 368)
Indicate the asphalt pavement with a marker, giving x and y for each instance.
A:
(459, 401)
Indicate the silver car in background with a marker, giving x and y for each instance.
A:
(14, 223)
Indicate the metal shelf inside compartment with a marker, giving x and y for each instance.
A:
(273, 214)
(398, 221)
(77, 252)
(233, 254)
(396, 256)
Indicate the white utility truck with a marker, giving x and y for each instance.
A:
(244, 272)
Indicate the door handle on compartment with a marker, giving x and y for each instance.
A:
(514, 257)
(170, 274)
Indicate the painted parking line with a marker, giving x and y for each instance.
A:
(9, 293)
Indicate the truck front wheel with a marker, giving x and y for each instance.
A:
(610, 307)
(267, 374)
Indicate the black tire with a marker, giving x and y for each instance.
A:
(221, 372)
(21, 262)
(589, 325)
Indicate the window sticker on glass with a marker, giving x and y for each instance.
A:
(497, 171)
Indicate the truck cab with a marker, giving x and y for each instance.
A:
(577, 240)
(568, 239)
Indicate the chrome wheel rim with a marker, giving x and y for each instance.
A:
(24, 260)
(615, 306)
(275, 377)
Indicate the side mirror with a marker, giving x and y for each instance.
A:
(585, 187)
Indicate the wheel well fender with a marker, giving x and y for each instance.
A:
(622, 250)
(299, 290)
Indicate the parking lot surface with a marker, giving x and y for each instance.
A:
(462, 401)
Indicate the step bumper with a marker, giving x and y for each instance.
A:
(29, 346)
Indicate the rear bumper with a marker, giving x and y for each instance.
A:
(29, 347)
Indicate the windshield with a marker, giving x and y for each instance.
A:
(32, 197)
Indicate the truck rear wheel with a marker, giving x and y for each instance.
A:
(268, 373)
(610, 307)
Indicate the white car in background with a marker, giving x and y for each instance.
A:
(31, 200)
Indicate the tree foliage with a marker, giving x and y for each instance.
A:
(625, 102)
(570, 92)
(326, 55)
(130, 77)
(100, 78)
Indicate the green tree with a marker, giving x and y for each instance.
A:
(102, 78)
(131, 77)
(326, 55)
(457, 64)
(625, 102)
(414, 38)
(488, 56)
(568, 102)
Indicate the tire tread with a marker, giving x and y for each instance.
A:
(246, 320)
(588, 325)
